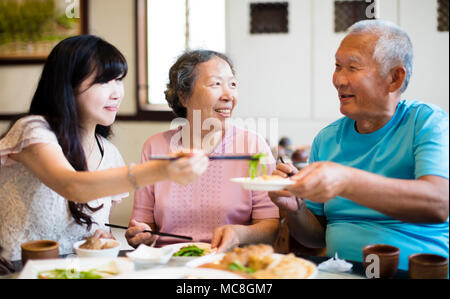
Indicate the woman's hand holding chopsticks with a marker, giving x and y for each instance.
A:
(185, 170)
(135, 234)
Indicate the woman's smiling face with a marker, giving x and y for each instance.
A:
(215, 91)
(98, 103)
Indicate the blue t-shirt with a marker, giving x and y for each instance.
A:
(413, 144)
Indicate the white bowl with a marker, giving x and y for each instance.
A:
(110, 252)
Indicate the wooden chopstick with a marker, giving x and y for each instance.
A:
(152, 232)
(247, 157)
(170, 158)
(163, 157)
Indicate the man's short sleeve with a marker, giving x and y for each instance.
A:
(315, 208)
(431, 143)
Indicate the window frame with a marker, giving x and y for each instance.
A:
(144, 111)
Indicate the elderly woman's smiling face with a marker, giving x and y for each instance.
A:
(215, 91)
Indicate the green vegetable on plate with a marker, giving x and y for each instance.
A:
(69, 274)
(237, 266)
(191, 250)
(254, 165)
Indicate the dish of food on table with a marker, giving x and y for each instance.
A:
(260, 262)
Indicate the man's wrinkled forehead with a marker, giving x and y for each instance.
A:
(356, 47)
(349, 57)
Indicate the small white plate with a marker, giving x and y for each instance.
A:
(178, 246)
(149, 255)
(259, 184)
(180, 273)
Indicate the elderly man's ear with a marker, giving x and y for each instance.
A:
(397, 77)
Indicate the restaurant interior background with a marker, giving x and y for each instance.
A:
(286, 76)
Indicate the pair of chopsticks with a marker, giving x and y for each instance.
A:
(152, 232)
(170, 158)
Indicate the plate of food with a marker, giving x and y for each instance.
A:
(185, 252)
(258, 179)
(260, 262)
(76, 268)
(263, 183)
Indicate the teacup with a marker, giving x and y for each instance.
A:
(39, 249)
(380, 260)
(428, 266)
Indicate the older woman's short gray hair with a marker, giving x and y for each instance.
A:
(394, 47)
(182, 77)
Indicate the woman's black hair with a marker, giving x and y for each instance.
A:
(71, 62)
(183, 74)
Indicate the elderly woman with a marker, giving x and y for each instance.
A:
(203, 89)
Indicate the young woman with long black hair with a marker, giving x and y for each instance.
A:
(59, 175)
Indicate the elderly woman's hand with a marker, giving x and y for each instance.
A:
(225, 238)
(321, 181)
(135, 234)
(186, 170)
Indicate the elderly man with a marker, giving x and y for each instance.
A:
(379, 174)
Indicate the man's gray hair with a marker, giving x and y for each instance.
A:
(394, 47)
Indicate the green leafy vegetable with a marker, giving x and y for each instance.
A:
(237, 266)
(69, 274)
(254, 165)
(191, 250)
